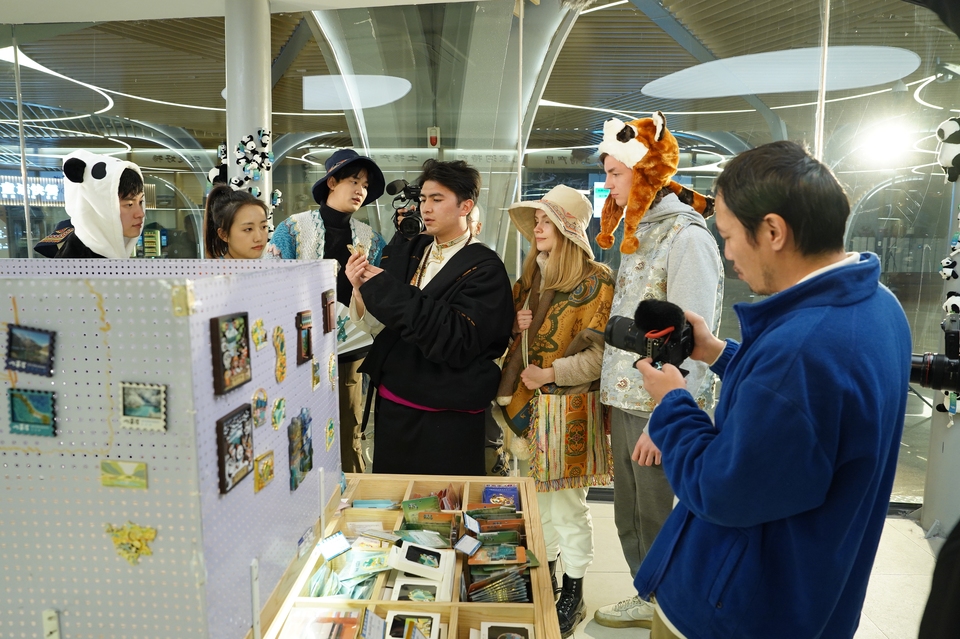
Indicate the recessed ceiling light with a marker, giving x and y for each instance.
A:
(786, 72)
(343, 92)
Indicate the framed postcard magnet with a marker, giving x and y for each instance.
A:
(280, 346)
(234, 447)
(262, 471)
(300, 447)
(144, 406)
(278, 412)
(230, 341)
(329, 311)
(30, 350)
(32, 412)
(332, 372)
(315, 378)
(259, 406)
(331, 432)
(258, 334)
(304, 337)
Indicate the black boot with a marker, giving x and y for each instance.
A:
(553, 578)
(570, 608)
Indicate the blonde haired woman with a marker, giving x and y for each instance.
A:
(562, 302)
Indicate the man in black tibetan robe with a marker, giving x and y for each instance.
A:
(441, 308)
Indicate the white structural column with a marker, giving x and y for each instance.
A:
(249, 85)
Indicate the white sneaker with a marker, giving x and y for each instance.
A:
(629, 613)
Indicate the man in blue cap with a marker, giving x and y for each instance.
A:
(351, 181)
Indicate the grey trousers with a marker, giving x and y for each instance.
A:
(642, 497)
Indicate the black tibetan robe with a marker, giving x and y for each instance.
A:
(437, 350)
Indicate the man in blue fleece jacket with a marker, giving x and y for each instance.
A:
(782, 498)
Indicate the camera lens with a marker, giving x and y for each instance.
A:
(621, 333)
(411, 225)
(935, 371)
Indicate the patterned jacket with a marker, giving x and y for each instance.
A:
(678, 261)
(300, 237)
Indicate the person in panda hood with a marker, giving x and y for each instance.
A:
(104, 199)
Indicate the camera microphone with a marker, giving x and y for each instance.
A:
(658, 318)
(396, 186)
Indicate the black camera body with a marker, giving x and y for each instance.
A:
(659, 331)
(406, 204)
(940, 372)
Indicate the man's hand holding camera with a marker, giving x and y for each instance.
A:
(706, 348)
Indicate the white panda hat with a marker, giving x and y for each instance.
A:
(90, 191)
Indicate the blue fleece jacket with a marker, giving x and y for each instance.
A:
(782, 501)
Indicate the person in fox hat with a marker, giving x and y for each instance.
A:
(672, 256)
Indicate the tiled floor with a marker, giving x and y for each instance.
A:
(896, 595)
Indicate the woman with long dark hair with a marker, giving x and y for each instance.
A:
(234, 225)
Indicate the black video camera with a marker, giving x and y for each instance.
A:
(658, 331)
(940, 372)
(406, 208)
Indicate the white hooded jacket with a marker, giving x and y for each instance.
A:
(90, 190)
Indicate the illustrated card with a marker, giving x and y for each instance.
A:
(123, 474)
(230, 341)
(502, 495)
(412, 589)
(427, 622)
(32, 412)
(235, 447)
(144, 406)
(412, 507)
(30, 350)
(506, 630)
(497, 555)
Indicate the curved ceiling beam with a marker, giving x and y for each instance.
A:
(672, 27)
(326, 30)
(288, 142)
(546, 70)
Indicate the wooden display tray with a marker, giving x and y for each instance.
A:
(460, 616)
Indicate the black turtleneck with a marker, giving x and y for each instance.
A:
(336, 236)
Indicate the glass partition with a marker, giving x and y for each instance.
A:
(450, 81)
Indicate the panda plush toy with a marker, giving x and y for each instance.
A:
(952, 303)
(948, 268)
(944, 405)
(949, 155)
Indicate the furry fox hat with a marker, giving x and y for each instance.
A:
(648, 147)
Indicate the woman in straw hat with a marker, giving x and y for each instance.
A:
(563, 302)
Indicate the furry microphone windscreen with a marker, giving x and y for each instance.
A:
(656, 315)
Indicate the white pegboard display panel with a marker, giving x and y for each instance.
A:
(115, 323)
(133, 268)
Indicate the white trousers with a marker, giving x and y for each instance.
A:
(567, 529)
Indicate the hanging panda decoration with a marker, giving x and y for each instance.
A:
(949, 153)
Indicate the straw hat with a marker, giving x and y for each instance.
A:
(567, 208)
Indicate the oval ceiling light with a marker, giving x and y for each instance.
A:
(348, 92)
(786, 72)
